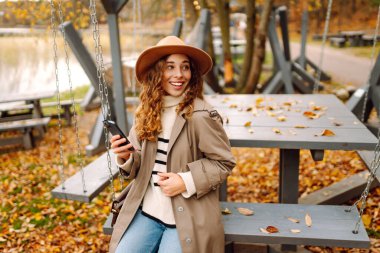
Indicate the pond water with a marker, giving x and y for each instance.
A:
(27, 64)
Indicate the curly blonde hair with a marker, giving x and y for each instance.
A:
(148, 114)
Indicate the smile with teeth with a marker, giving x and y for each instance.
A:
(176, 84)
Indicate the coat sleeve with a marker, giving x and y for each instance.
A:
(130, 168)
(217, 162)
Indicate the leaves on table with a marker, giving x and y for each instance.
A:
(281, 118)
(226, 211)
(308, 220)
(276, 130)
(247, 124)
(300, 126)
(272, 229)
(263, 230)
(293, 220)
(295, 231)
(326, 132)
(245, 211)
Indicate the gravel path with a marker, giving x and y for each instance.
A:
(344, 68)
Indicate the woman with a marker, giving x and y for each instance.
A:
(182, 155)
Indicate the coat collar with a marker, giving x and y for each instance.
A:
(179, 123)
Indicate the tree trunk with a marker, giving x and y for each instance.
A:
(249, 46)
(211, 77)
(224, 21)
(259, 50)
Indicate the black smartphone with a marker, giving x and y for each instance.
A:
(115, 130)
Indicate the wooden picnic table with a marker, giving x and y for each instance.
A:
(353, 37)
(33, 98)
(278, 121)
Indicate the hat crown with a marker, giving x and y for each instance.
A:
(171, 41)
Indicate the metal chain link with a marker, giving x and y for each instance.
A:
(366, 89)
(103, 90)
(375, 163)
(67, 60)
(326, 29)
(54, 32)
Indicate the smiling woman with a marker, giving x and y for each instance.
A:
(182, 155)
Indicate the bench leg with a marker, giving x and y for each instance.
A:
(27, 139)
(67, 115)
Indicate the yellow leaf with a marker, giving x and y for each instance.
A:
(367, 220)
(300, 126)
(245, 211)
(327, 132)
(281, 118)
(233, 106)
(308, 220)
(295, 231)
(247, 124)
(276, 130)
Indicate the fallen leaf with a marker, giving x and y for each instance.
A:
(281, 118)
(310, 115)
(233, 106)
(247, 124)
(227, 120)
(259, 100)
(272, 229)
(251, 131)
(264, 231)
(295, 231)
(336, 123)
(316, 108)
(293, 220)
(300, 126)
(276, 130)
(308, 220)
(327, 132)
(245, 211)
(249, 109)
(226, 211)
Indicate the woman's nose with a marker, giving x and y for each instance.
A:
(178, 72)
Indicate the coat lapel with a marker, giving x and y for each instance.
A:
(177, 127)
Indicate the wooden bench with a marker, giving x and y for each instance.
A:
(331, 225)
(96, 176)
(26, 127)
(24, 111)
(336, 41)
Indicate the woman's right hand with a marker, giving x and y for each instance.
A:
(121, 151)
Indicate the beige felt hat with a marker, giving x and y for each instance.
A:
(171, 45)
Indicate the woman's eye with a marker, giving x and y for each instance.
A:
(169, 67)
(186, 67)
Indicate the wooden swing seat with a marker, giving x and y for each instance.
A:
(331, 225)
(96, 176)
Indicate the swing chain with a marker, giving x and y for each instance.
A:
(54, 32)
(183, 14)
(375, 163)
(67, 60)
(103, 90)
(326, 28)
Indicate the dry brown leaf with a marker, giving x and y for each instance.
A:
(293, 220)
(245, 211)
(264, 231)
(233, 106)
(249, 109)
(295, 231)
(248, 123)
(281, 118)
(251, 131)
(276, 130)
(227, 120)
(272, 229)
(308, 220)
(226, 211)
(316, 108)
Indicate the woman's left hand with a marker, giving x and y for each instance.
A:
(171, 184)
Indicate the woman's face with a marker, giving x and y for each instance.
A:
(177, 74)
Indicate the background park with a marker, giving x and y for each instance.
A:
(321, 55)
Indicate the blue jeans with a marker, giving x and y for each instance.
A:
(145, 235)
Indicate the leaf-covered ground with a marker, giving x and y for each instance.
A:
(32, 221)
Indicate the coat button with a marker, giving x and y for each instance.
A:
(188, 240)
(180, 209)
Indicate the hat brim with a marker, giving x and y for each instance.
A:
(151, 55)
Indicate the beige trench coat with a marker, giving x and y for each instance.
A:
(199, 145)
